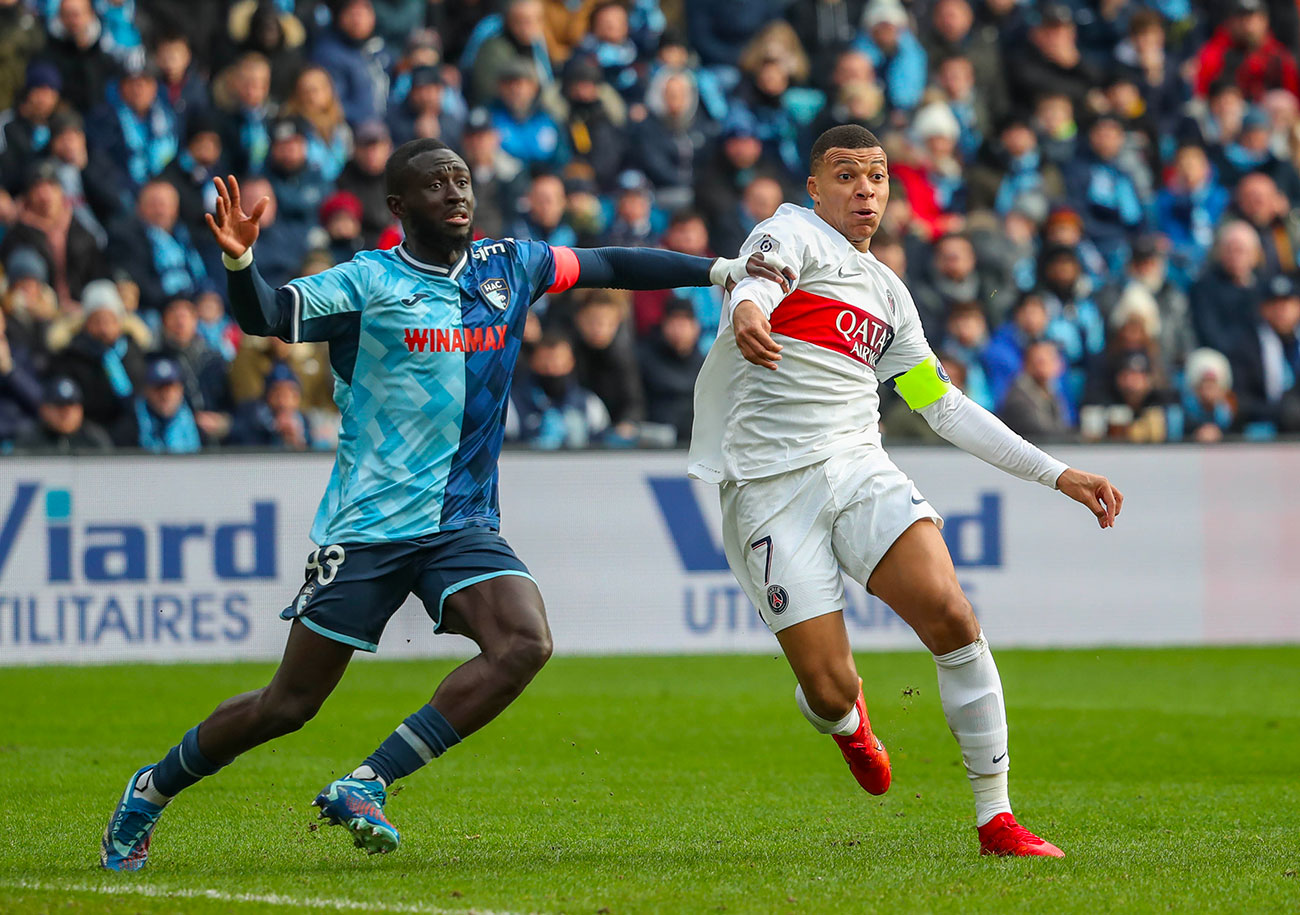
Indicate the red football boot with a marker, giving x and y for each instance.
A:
(1002, 835)
(865, 755)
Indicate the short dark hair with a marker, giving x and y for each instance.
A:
(395, 168)
(843, 136)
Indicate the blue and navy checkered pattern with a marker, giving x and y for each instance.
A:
(422, 421)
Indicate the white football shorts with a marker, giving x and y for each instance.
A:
(788, 536)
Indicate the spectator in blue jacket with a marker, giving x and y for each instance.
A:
(356, 59)
(554, 411)
(1074, 321)
(1104, 193)
(527, 132)
(25, 128)
(134, 128)
(299, 188)
(160, 420)
(896, 53)
(609, 44)
(156, 250)
(1005, 352)
(1188, 211)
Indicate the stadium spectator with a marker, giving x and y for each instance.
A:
(199, 161)
(29, 304)
(955, 78)
(604, 355)
(1052, 63)
(155, 249)
(277, 36)
(736, 158)
(952, 32)
(299, 186)
(544, 212)
(1054, 122)
(519, 46)
(180, 86)
(275, 420)
(966, 335)
(340, 216)
(499, 177)
(1010, 166)
(825, 24)
(62, 426)
(897, 56)
(1209, 406)
(593, 117)
(363, 177)
(1144, 53)
(1132, 407)
(1149, 269)
(955, 275)
(45, 223)
(1074, 322)
(1005, 352)
(860, 103)
(309, 361)
(246, 137)
(1034, 405)
(1188, 209)
(719, 30)
(106, 363)
(83, 53)
(938, 165)
(1260, 203)
(609, 44)
(634, 223)
(202, 368)
(356, 60)
(159, 419)
(1134, 326)
(1243, 49)
(94, 201)
(772, 65)
(320, 114)
(423, 113)
(554, 411)
(22, 35)
(20, 388)
(687, 234)
(25, 129)
(1225, 297)
(1266, 363)
(528, 132)
(283, 246)
(1251, 151)
(134, 129)
(1105, 192)
(670, 360)
(666, 143)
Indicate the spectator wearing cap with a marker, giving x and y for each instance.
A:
(134, 129)
(671, 359)
(83, 53)
(62, 426)
(609, 44)
(203, 369)
(1105, 193)
(363, 177)
(1189, 208)
(1004, 354)
(320, 114)
(25, 129)
(1034, 405)
(246, 137)
(1225, 296)
(276, 419)
(1244, 50)
(1011, 165)
(1266, 363)
(1131, 405)
(519, 45)
(954, 274)
(1208, 402)
(554, 410)
(544, 216)
(180, 86)
(667, 142)
(499, 178)
(1149, 269)
(951, 31)
(299, 186)
(1052, 62)
(267, 30)
(46, 224)
(1260, 203)
(1074, 322)
(340, 216)
(528, 132)
(106, 363)
(22, 35)
(423, 112)
(356, 59)
(966, 335)
(199, 161)
(20, 391)
(155, 249)
(159, 419)
(736, 158)
(720, 30)
(593, 117)
(1251, 151)
(29, 304)
(899, 58)
(635, 223)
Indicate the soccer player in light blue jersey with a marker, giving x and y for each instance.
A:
(423, 341)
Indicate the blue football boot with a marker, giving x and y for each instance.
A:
(125, 846)
(358, 805)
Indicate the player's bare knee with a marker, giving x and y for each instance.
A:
(831, 692)
(951, 624)
(285, 713)
(525, 646)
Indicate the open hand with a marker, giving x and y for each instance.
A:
(234, 230)
(1094, 491)
(754, 335)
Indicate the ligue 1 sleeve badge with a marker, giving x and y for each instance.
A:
(496, 291)
(777, 599)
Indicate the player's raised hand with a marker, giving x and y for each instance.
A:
(1094, 491)
(754, 335)
(234, 230)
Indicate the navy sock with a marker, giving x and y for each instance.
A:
(183, 765)
(418, 739)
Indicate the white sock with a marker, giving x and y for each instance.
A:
(971, 692)
(365, 773)
(144, 788)
(846, 725)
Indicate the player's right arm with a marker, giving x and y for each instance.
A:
(754, 298)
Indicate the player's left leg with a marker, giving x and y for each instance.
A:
(917, 579)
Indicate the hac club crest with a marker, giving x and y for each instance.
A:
(496, 291)
(777, 599)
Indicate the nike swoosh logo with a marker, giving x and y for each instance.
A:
(850, 269)
(998, 759)
(916, 501)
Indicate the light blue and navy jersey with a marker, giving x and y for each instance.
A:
(423, 356)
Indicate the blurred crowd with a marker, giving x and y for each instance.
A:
(1094, 202)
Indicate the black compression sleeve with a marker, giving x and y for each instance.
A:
(258, 309)
(640, 268)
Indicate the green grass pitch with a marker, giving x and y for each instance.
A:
(1170, 777)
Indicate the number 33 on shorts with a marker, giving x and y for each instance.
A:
(323, 566)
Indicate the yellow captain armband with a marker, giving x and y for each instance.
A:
(923, 384)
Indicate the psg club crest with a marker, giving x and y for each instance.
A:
(496, 291)
(777, 599)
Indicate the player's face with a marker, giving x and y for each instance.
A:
(438, 200)
(850, 191)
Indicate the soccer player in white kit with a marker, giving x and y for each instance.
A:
(787, 422)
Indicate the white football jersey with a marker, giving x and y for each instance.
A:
(847, 324)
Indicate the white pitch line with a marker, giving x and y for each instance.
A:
(160, 892)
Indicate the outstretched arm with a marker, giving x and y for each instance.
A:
(978, 432)
(654, 268)
(258, 309)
